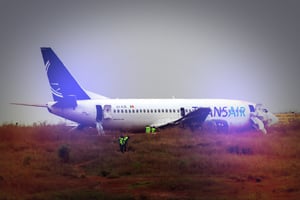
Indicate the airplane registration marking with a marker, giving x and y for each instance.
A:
(121, 106)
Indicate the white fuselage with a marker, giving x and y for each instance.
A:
(74, 103)
(136, 114)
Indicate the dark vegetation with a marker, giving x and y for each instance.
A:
(49, 162)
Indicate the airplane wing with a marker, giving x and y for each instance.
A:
(193, 119)
(33, 105)
(162, 123)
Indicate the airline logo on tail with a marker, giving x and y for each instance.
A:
(47, 65)
(62, 83)
(55, 88)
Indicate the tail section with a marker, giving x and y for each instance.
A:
(63, 85)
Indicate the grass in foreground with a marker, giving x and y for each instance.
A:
(173, 164)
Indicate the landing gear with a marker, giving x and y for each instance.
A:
(258, 124)
(99, 128)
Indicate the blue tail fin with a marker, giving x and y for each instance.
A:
(63, 85)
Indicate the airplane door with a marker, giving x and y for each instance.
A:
(99, 114)
(99, 119)
(182, 112)
(107, 112)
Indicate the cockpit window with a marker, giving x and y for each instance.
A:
(265, 110)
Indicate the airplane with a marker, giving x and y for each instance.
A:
(89, 109)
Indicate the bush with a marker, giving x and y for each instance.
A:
(240, 150)
(64, 153)
(26, 161)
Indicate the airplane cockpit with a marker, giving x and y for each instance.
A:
(262, 118)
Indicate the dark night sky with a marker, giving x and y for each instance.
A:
(247, 50)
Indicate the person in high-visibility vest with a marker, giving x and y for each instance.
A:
(148, 129)
(121, 143)
(153, 130)
(126, 138)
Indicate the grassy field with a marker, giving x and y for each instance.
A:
(49, 162)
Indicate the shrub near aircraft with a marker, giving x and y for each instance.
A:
(72, 102)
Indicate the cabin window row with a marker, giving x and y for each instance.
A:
(149, 110)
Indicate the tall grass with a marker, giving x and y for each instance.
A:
(173, 164)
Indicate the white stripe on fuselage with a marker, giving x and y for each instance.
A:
(138, 113)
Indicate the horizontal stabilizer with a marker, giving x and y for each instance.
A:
(33, 105)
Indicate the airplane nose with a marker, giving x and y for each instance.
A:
(272, 119)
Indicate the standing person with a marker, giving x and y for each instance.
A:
(126, 138)
(121, 143)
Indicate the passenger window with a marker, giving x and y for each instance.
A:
(129, 111)
(121, 111)
(155, 110)
(125, 111)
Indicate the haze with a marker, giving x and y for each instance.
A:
(247, 50)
